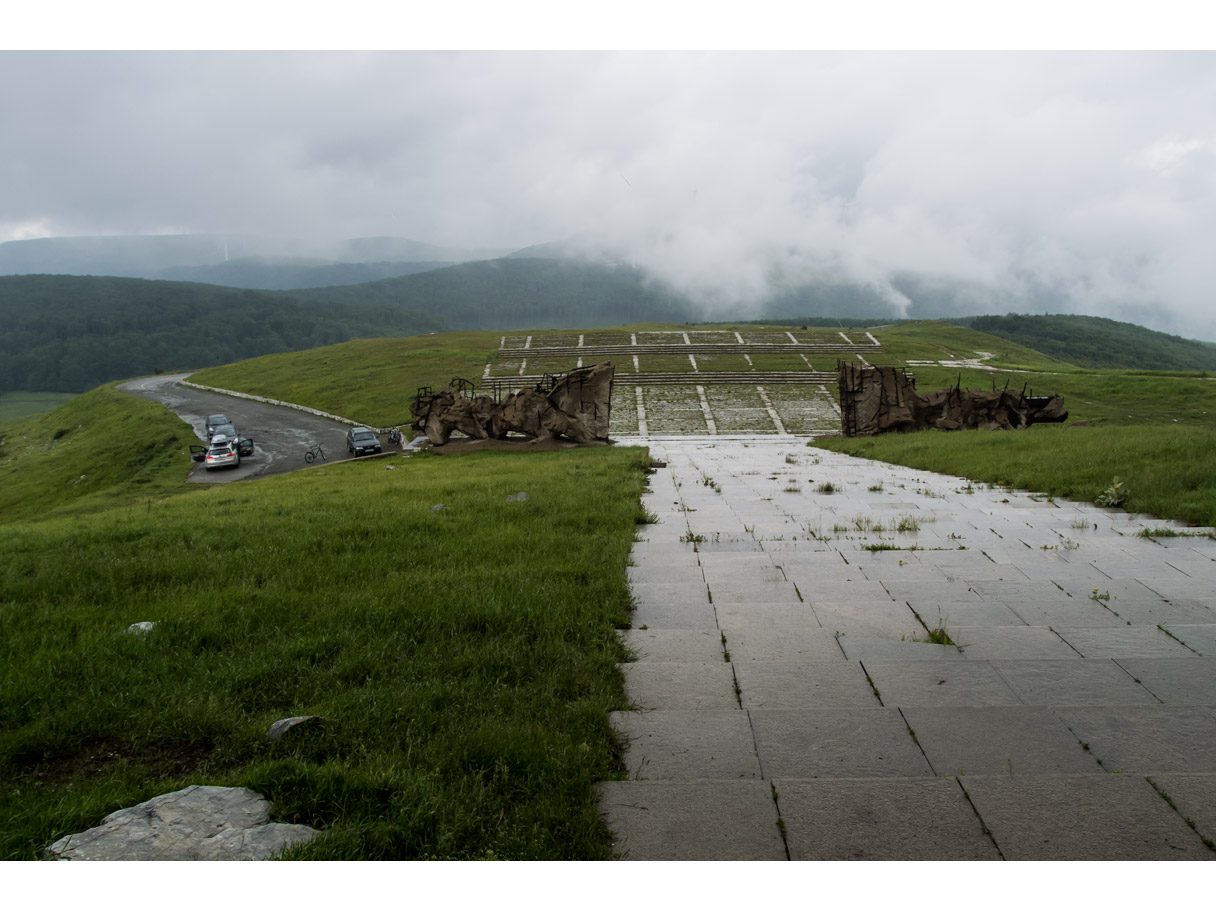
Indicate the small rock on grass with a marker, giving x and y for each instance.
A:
(438, 507)
(141, 627)
(283, 726)
(522, 495)
(197, 823)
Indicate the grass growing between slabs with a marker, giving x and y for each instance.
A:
(1165, 470)
(464, 658)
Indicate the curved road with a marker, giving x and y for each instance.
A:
(280, 435)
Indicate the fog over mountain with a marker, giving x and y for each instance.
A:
(1070, 182)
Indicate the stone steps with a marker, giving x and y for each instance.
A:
(749, 378)
(747, 348)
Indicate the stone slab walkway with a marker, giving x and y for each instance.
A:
(789, 706)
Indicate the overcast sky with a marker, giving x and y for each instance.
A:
(1090, 172)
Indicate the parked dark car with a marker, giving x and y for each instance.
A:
(214, 421)
(361, 440)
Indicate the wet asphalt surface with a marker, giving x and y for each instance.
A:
(281, 436)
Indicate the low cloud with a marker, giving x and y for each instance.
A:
(734, 177)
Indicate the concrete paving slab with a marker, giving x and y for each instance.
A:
(659, 573)
(1199, 637)
(1076, 681)
(742, 615)
(968, 614)
(790, 685)
(884, 619)
(681, 685)
(1124, 590)
(1014, 592)
(687, 744)
(1069, 576)
(692, 821)
(1201, 591)
(1072, 613)
(1126, 568)
(881, 820)
(1194, 797)
(1146, 739)
(1021, 642)
(997, 741)
(743, 591)
(678, 593)
(1197, 567)
(659, 645)
(818, 590)
(938, 683)
(1152, 614)
(677, 616)
(758, 572)
(926, 592)
(1082, 818)
(728, 545)
(1176, 681)
(843, 743)
(870, 648)
(1122, 642)
(753, 643)
(909, 572)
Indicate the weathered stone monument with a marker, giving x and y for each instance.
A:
(875, 400)
(576, 406)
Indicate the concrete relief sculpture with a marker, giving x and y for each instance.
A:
(875, 400)
(575, 406)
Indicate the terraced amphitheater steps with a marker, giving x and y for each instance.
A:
(759, 378)
(696, 348)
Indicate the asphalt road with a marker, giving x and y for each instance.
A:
(280, 435)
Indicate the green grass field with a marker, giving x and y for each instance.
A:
(465, 658)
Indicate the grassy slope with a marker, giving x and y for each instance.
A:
(99, 445)
(1167, 471)
(932, 341)
(466, 658)
(370, 380)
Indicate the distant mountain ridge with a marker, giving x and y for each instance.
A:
(70, 333)
(245, 261)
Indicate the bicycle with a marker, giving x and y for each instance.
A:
(313, 452)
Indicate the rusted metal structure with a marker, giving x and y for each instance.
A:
(875, 400)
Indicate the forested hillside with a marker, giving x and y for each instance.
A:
(1098, 341)
(72, 333)
(283, 274)
(522, 293)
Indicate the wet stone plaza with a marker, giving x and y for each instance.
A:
(842, 659)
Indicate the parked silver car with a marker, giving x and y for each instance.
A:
(222, 452)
